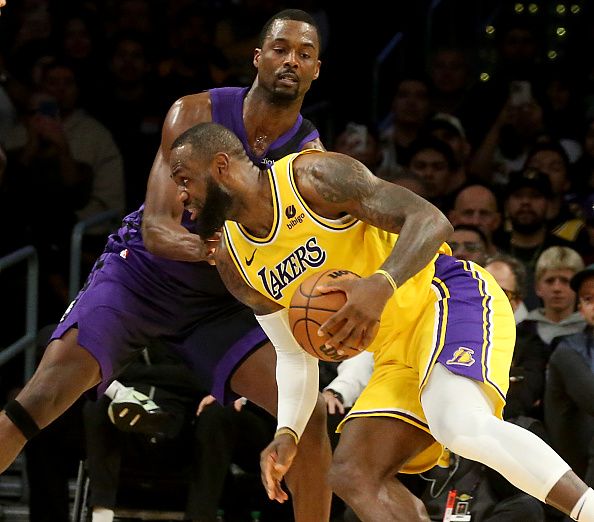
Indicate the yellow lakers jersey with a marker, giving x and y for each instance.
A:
(302, 242)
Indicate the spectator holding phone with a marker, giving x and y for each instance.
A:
(56, 186)
(511, 135)
(77, 170)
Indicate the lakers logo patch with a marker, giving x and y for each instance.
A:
(462, 357)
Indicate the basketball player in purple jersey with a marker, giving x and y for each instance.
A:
(133, 296)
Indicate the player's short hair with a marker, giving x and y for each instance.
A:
(206, 139)
(517, 268)
(558, 258)
(297, 15)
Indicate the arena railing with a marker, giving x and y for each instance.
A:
(76, 246)
(27, 342)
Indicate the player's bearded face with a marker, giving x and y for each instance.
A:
(214, 211)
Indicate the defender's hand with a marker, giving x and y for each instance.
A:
(356, 324)
(275, 461)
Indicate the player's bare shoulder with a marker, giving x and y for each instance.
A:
(332, 178)
(186, 112)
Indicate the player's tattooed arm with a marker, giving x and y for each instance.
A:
(260, 304)
(335, 184)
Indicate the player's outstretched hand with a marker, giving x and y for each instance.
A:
(356, 324)
(275, 461)
(333, 403)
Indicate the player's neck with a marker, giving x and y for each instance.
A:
(264, 116)
(254, 209)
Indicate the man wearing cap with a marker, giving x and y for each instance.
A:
(569, 392)
(527, 202)
(448, 128)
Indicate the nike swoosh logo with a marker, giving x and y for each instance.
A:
(249, 261)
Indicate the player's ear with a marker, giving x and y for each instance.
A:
(257, 53)
(317, 73)
(221, 164)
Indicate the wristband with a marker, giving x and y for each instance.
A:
(285, 430)
(389, 278)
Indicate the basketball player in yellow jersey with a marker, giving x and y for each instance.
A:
(442, 349)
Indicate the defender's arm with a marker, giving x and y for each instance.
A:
(162, 231)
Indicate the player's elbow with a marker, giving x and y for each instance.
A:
(443, 225)
(150, 236)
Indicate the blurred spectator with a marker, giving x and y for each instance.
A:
(448, 128)
(518, 52)
(79, 45)
(512, 134)
(551, 158)
(164, 380)
(7, 107)
(527, 372)
(569, 396)
(62, 187)
(557, 316)
(130, 108)
(449, 70)
(226, 437)
(433, 162)
(194, 63)
(411, 182)
(88, 141)
(132, 16)
(583, 172)
(510, 274)
(562, 103)
(588, 215)
(477, 205)
(362, 143)
(342, 392)
(469, 243)
(527, 202)
(409, 110)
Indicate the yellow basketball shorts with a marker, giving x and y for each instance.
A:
(468, 326)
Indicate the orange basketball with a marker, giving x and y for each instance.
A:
(310, 309)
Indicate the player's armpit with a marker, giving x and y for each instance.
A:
(260, 304)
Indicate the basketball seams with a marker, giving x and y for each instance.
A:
(307, 317)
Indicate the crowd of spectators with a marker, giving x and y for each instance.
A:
(85, 87)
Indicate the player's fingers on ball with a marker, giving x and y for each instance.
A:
(326, 289)
(369, 335)
(330, 324)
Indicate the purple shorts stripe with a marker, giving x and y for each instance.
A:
(465, 318)
(234, 356)
(442, 304)
(388, 412)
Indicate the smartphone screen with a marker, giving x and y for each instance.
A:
(520, 93)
